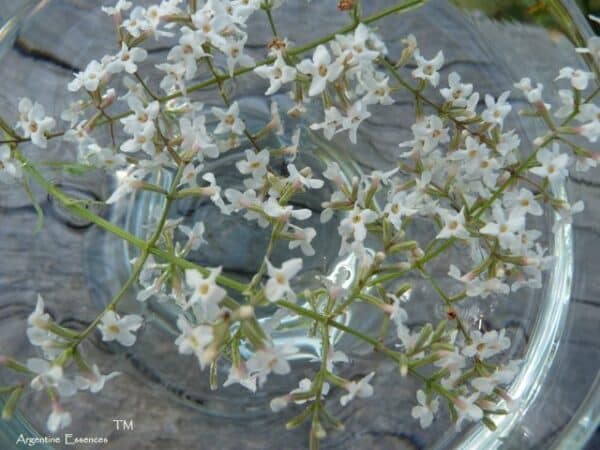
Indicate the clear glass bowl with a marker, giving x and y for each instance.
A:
(78, 267)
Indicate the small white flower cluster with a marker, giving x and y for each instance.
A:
(353, 77)
(469, 400)
(56, 342)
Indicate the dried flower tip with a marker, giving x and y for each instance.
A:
(346, 5)
(277, 44)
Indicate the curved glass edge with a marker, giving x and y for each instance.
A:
(584, 424)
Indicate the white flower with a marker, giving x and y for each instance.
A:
(275, 125)
(195, 235)
(397, 313)
(504, 227)
(239, 374)
(302, 237)
(137, 23)
(206, 292)
(143, 140)
(241, 10)
(10, 168)
(278, 284)
(429, 133)
(128, 180)
(332, 124)
(496, 110)
(229, 120)
(304, 387)
(120, 329)
(321, 69)
(523, 202)
(234, 49)
(504, 374)
(270, 360)
(454, 225)
(360, 388)
(90, 78)
(451, 360)
(37, 323)
(354, 117)
(566, 211)
(127, 59)
(567, 99)
(246, 201)
(142, 119)
(355, 224)
(579, 79)
(254, 164)
(303, 178)
(425, 410)
(273, 209)
(485, 385)
(553, 165)
(58, 418)
(196, 141)
(400, 205)
(533, 94)
(481, 288)
(105, 157)
(508, 142)
(49, 375)
(214, 192)
(467, 409)
(590, 114)
(487, 345)
(356, 49)
(94, 380)
(189, 176)
(409, 340)
(175, 75)
(34, 122)
(377, 90)
(457, 92)
(121, 5)
(211, 23)
(428, 69)
(593, 44)
(584, 163)
(194, 340)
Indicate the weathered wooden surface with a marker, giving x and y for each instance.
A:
(68, 33)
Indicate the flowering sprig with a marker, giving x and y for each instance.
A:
(463, 172)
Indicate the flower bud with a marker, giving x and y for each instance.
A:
(245, 312)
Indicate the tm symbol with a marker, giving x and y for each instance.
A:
(122, 424)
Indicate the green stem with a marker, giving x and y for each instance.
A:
(271, 21)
